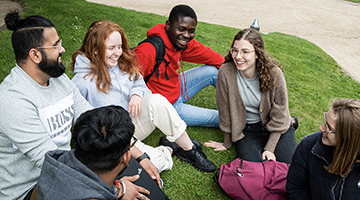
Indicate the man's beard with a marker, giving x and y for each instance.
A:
(51, 67)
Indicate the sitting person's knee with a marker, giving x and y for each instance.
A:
(158, 101)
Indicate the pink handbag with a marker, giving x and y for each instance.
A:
(242, 179)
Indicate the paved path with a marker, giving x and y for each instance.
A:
(333, 25)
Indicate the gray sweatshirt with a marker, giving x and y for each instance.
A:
(33, 120)
(63, 177)
(121, 91)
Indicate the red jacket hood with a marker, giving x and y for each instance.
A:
(159, 30)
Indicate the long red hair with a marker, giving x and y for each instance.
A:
(94, 41)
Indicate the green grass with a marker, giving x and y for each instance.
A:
(313, 78)
(355, 1)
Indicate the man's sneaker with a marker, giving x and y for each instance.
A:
(197, 158)
(175, 147)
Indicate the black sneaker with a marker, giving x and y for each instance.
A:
(295, 122)
(175, 147)
(196, 157)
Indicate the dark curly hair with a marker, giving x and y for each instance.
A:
(264, 62)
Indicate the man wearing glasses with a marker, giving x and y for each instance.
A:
(102, 137)
(38, 104)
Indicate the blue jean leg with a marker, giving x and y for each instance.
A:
(196, 79)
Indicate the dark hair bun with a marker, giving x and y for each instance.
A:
(12, 20)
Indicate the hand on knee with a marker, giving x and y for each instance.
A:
(268, 155)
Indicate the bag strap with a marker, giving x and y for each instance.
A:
(159, 46)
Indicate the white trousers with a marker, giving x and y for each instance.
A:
(157, 112)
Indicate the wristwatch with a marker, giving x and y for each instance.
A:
(142, 157)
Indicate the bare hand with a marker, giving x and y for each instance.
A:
(134, 106)
(151, 170)
(268, 155)
(133, 191)
(217, 145)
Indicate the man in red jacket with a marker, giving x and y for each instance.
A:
(178, 87)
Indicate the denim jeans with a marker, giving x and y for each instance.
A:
(196, 79)
(251, 147)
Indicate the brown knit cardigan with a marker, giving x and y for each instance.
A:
(274, 109)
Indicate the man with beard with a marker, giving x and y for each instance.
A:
(178, 36)
(38, 104)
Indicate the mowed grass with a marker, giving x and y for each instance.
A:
(313, 78)
(355, 1)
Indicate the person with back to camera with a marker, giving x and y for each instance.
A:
(326, 164)
(178, 35)
(252, 100)
(102, 137)
(106, 73)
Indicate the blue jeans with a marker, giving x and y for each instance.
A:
(196, 79)
(251, 147)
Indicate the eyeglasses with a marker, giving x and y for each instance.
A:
(244, 53)
(327, 128)
(53, 47)
(133, 143)
(134, 140)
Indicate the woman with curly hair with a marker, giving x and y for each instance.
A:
(106, 73)
(252, 100)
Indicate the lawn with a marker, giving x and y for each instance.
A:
(355, 1)
(313, 78)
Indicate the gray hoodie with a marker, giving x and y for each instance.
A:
(63, 177)
(121, 90)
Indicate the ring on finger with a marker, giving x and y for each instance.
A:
(141, 195)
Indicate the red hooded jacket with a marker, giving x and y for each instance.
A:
(195, 52)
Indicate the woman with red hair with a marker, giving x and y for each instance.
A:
(106, 72)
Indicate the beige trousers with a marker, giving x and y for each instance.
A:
(157, 112)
